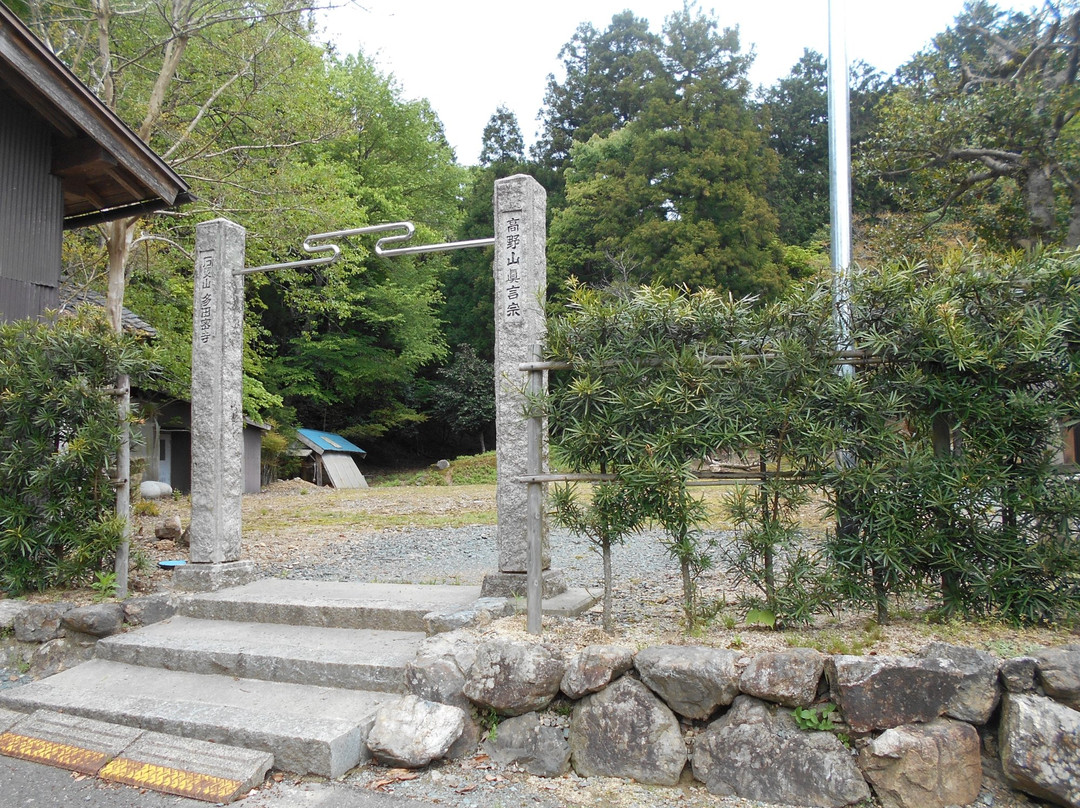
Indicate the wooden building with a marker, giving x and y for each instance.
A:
(328, 459)
(66, 160)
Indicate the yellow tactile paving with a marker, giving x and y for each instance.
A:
(171, 781)
(61, 755)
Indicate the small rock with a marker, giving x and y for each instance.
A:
(924, 765)
(151, 489)
(978, 693)
(97, 620)
(40, 622)
(513, 678)
(692, 680)
(411, 732)
(150, 609)
(1018, 674)
(524, 741)
(790, 677)
(624, 730)
(169, 528)
(1059, 674)
(593, 668)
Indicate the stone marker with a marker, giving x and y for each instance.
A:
(520, 288)
(217, 448)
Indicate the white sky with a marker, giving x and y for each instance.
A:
(468, 56)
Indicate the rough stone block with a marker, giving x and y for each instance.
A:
(692, 680)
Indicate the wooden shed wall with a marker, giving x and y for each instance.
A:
(31, 214)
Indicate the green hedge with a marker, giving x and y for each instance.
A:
(58, 437)
(935, 454)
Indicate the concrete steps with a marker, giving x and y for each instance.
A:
(330, 604)
(293, 668)
(354, 659)
(307, 729)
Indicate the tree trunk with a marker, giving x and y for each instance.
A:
(118, 242)
(1039, 195)
(609, 621)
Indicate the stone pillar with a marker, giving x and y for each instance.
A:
(520, 289)
(217, 422)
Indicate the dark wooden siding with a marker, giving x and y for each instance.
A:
(31, 213)
(20, 299)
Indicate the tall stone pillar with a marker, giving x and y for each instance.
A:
(217, 421)
(520, 290)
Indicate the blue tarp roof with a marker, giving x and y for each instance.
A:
(328, 442)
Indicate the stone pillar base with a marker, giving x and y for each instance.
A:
(211, 577)
(515, 585)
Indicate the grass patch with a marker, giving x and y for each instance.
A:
(468, 470)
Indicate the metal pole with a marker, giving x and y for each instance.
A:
(840, 175)
(534, 502)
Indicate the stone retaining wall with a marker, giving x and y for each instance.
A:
(912, 730)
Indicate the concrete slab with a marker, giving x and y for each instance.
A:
(330, 604)
(212, 577)
(188, 767)
(358, 659)
(67, 741)
(571, 603)
(308, 729)
(9, 718)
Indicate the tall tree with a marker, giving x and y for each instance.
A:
(609, 78)
(677, 194)
(795, 112)
(980, 126)
(469, 286)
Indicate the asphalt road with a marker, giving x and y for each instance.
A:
(32, 785)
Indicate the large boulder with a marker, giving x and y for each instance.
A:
(411, 732)
(979, 692)
(593, 669)
(924, 765)
(756, 751)
(790, 677)
(438, 674)
(884, 692)
(97, 620)
(40, 622)
(626, 731)
(513, 678)
(1059, 674)
(522, 740)
(692, 680)
(1039, 741)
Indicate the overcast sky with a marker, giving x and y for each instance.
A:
(469, 56)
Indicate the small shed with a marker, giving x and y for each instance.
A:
(331, 459)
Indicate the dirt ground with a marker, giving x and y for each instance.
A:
(293, 520)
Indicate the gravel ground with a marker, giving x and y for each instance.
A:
(647, 611)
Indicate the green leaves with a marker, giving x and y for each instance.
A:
(58, 437)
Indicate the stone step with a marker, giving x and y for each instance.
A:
(308, 729)
(329, 604)
(356, 659)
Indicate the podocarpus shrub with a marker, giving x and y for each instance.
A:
(954, 484)
(936, 455)
(59, 433)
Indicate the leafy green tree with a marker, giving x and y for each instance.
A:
(469, 284)
(58, 440)
(464, 397)
(677, 195)
(796, 115)
(979, 127)
(344, 342)
(608, 80)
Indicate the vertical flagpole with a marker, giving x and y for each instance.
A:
(840, 174)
